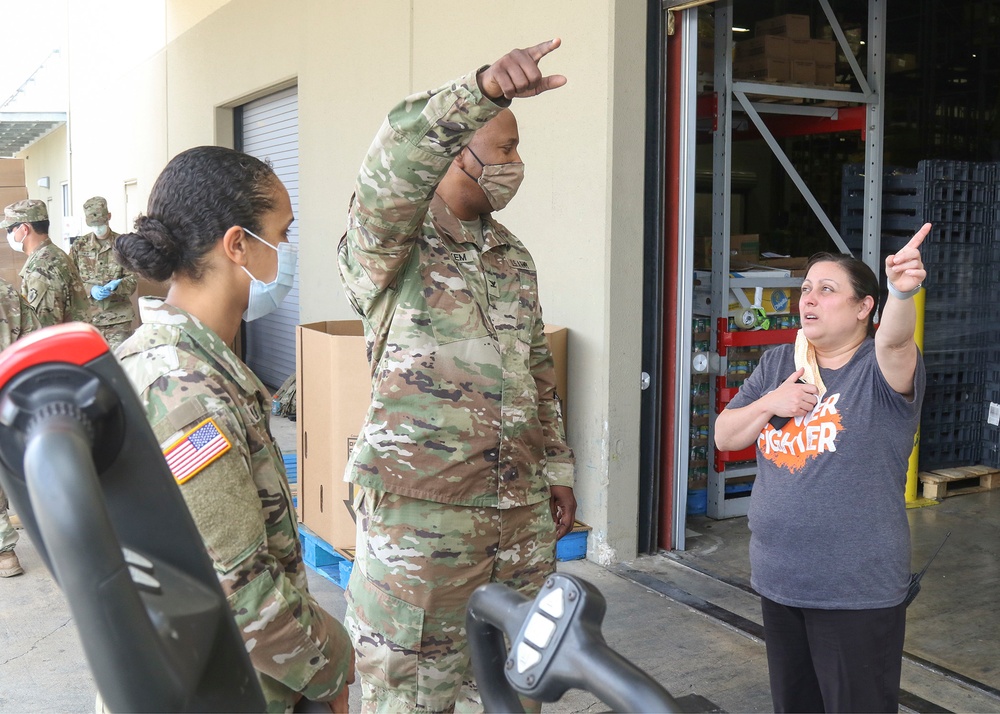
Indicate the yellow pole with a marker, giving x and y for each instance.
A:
(912, 483)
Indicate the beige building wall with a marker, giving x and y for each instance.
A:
(579, 210)
(49, 157)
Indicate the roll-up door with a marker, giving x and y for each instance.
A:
(270, 131)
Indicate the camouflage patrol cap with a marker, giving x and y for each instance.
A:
(95, 211)
(27, 211)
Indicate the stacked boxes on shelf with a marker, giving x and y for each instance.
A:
(961, 258)
(783, 50)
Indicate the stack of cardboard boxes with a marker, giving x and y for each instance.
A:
(782, 50)
(12, 190)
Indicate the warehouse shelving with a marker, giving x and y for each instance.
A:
(737, 103)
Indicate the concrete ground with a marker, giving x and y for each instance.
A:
(687, 618)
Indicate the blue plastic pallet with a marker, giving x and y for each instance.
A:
(326, 560)
(573, 545)
(291, 467)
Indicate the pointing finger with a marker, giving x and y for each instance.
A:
(543, 48)
(918, 237)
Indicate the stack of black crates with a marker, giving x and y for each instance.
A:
(962, 256)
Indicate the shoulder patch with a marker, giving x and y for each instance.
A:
(195, 450)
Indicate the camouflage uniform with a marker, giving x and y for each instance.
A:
(240, 501)
(94, 260)
(464, 435)
(16, 319)
(51, 285)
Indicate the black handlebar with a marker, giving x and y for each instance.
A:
(114, 530)
(556, 645)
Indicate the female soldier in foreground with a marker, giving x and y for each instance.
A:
(217, 229)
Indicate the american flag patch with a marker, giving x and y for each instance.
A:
(195, 450)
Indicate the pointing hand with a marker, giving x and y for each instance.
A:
(516, 74)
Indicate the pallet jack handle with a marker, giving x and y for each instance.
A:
(555, 645)
(86, 475)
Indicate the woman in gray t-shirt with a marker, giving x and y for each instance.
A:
(833, 419)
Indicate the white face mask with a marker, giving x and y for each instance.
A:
(266, 297)
(100, 231)
(15, 244)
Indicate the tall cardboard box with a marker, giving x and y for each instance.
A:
(11, 262)
(333, 395)
(11, 175)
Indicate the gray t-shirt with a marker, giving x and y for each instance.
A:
(827, 512)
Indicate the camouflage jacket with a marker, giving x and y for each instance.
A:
(16, 316)
(464, 408)
(95, 261)
(51, 285)
(185, 375)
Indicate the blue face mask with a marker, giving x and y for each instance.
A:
(265, 297)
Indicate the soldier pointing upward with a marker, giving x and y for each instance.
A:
(464, 472)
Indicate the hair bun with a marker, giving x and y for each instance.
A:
(151, 250)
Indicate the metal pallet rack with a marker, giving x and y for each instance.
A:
(732, 96)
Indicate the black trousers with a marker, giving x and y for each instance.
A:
(834, 660)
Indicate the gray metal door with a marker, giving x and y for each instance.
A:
(270, 131)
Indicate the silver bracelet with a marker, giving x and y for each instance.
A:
(899, 294)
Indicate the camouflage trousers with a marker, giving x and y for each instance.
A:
(417, 563)
(8, 536)
(114, 335)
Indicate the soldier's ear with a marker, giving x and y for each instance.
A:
(234, 245)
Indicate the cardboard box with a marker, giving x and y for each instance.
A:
(795, 266)
(745, 248)
(799, 49)
(334, 393)
(763, 68)
(767, 46)
(794, 26)
(826, 74)
(10, 261)
(823, 51)
(802, 71)
(11, 194)
(11, 174)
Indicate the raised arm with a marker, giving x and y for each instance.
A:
(895, 349)
(409, 157)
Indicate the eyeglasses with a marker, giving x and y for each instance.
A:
(12, 228)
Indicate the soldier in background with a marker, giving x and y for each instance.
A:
(16, 319)
(49, 281)
(108, 284)
(462, 465)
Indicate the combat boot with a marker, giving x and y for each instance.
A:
(9, 564)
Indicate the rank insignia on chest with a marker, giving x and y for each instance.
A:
(195, 450)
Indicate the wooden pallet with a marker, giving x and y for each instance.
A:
(943, 483)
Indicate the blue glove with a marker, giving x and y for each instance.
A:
(103, 292)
